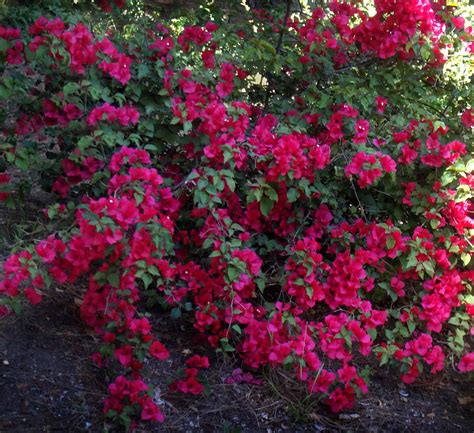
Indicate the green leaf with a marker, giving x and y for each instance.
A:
(114, 280)
(372, 333)
(447, 178)
(390, 242)
(466, 258)
(411, 262)
(230, 183)
(459, 339)
(22, 163)
(260, 284)
(429, 268)
(454, 321)
(233, 273)
(292, 195)
(425, 52)
(138, 198)
(434, 224)
(470, 166)
(187, 126)
(147, 280)
(4, 45)
(85, 142)
(266, 205)
(237, 328)
(70, 88)
(404, 331)
(175, 313)
(143, 71)
(271, 194)
(153, 270)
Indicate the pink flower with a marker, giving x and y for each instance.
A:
(211, 26)
(4, 178)
(467, 118)
(194, 34)
(158, 351)
(190, 384)
(362, 130)
(458, 22)
(422, 344)
(381, 104)
(238, 376)
(208, 59)
(124, 355)
(341, 399)
(119, 64)
(125, 116)
(140, 326)
(151, 412)
(33, 296)
(197, 361)
(467, 363)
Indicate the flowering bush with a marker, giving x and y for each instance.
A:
(302, 183)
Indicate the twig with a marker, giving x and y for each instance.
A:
(277, 51)
(448, 105)
(356, 195)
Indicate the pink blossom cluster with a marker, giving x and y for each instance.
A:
(369, 167)
(125, 116)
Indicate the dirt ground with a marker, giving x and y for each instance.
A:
(49, 384)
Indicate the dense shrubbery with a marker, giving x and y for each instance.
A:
(299, 186)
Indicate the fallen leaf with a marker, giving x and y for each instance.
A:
(465, 400)
(349, 416)
(314, 416)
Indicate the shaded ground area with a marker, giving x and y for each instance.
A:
(49, 384)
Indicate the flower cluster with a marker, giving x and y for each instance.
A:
(126, 115)
(75, 173)
(127, 393)
(369, 167)
(82, 49)
(4, 180)
(117, 64)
